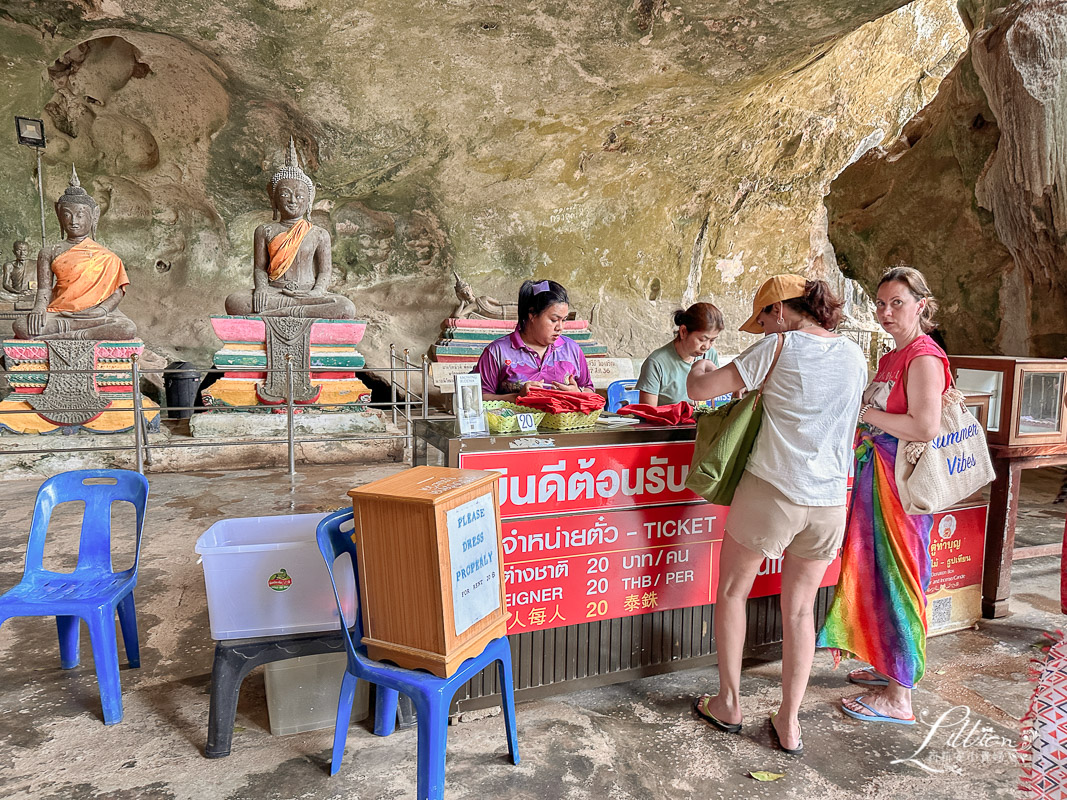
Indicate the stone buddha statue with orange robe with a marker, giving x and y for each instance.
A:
(291, 261)
(80, 283)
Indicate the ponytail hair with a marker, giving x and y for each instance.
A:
(820, 303)
(700, 317)
(536, 296)
(919, 288)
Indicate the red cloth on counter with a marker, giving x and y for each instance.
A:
(674, 414)
(554, 401)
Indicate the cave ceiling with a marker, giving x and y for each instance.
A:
(645, 154)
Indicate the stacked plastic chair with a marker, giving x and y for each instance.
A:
(430, 694)
(93, 591)
(621, 393)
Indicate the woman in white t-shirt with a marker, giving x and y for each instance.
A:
(790, 502)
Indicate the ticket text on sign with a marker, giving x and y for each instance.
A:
(591, 567)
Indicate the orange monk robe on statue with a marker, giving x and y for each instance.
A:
(282, 248)
(86, 275)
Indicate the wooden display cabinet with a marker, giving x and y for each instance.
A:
(978, 404)
(1025, 396)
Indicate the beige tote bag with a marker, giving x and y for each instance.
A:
(932, 476)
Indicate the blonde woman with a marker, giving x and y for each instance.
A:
(879, 608)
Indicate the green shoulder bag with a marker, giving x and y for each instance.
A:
(725, 437)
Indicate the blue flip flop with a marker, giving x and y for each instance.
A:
(874, 716)
(866, 681)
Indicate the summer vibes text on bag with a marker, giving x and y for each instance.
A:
(931, 476)
(724, 441)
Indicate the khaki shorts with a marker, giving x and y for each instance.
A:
(765, 520)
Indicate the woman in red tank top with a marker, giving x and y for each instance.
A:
(879, 609)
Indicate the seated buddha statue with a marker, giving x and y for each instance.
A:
(80, 283)
(18, 274)
(291, 261)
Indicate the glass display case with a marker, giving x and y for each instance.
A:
(1025, 396)
(978, 404)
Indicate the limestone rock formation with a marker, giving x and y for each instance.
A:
(974, 192)
(644, 154)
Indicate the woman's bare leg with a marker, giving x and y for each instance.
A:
(800, 583)
(737, 570)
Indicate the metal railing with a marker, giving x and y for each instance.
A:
(406, 404)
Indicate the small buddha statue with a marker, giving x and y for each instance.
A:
(18, 277)
(80, 283)
(484, 306)
(291, 262)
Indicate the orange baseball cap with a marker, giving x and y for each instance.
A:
(780, 287)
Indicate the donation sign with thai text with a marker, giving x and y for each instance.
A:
(957, 548)
(472, 549)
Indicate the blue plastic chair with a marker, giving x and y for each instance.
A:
(621, 393)
(430, 694)
(93, 591)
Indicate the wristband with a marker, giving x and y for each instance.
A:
(864, 410)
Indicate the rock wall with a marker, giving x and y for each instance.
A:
(974, 192)
(645, 155)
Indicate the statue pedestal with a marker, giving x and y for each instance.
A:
(230, 441)
(251, 424)
(331, 354)
(53, 392)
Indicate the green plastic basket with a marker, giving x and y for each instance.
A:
(569, 420)
(504, 416)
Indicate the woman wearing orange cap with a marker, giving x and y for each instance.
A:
(790, 502)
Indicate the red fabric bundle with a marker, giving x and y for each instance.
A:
(674, 414)
(554, 401)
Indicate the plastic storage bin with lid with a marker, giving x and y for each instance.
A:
(265, 577)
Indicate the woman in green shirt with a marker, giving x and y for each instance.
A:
(664, 372)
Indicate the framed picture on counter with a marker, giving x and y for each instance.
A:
(467, 404)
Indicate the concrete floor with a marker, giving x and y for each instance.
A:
(633, 740)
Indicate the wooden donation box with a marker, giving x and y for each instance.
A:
(430, 566)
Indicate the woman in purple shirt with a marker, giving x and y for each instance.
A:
(537, 354)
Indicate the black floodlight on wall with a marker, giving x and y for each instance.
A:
(30, 132)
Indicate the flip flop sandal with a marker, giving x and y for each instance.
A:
(874, 716)
(866, 681)
(701, 707)
(796, 751)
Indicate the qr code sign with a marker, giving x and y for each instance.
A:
(941, 612)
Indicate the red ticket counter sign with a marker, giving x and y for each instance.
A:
(598, 533)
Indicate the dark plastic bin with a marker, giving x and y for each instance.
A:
(181, 380)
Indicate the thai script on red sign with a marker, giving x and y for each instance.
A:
(593, 567)
(568, 479)
(957, 548)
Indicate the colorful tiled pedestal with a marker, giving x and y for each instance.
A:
(106, 396)
(243, 359)
(462, 340)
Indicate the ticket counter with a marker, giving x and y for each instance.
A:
(610, 562)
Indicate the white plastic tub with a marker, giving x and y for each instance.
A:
(266, 577)
(302, 693)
